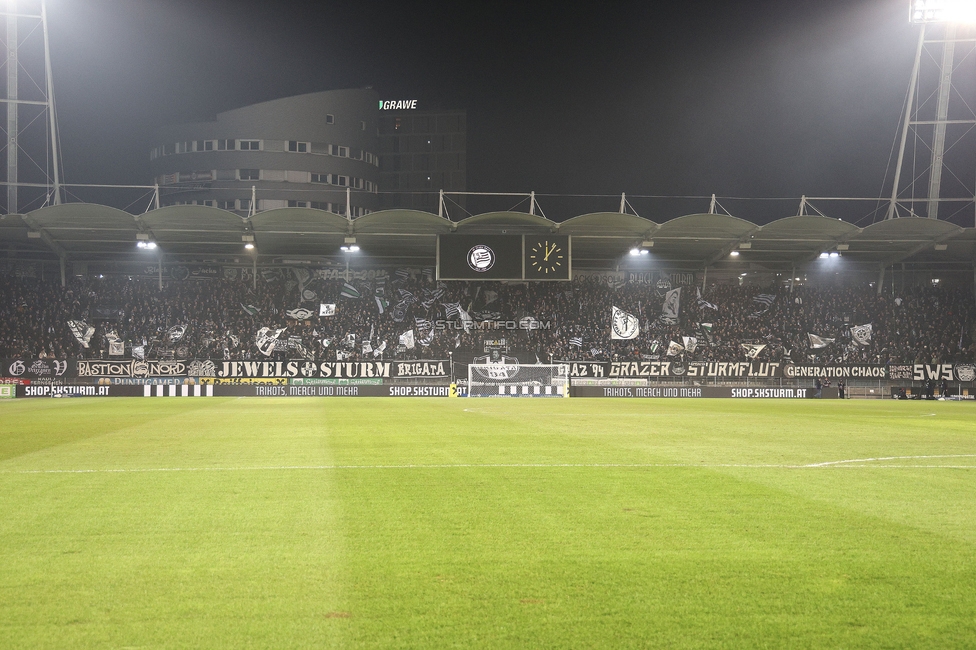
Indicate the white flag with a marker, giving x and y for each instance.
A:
(116, 347)
(817, 342)
(406, 340)
(691, 343)
(674, 349)
(466, 321)
(623, 326)
(327, 309)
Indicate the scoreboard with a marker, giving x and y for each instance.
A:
(504, 257)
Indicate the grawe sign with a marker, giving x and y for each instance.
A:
(398, 104)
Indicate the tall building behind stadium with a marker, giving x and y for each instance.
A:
(343, 151)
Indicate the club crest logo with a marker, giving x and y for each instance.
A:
(965, 372)
(481, 258)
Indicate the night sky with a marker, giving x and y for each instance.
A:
(746, 99)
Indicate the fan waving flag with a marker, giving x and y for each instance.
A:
(349, 291)
(623, 326)
(765, 299)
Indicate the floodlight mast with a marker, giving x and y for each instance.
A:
(13, 15)
(948, 13)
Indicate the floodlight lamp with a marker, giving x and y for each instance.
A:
(635, 251)
(734, 253)
(349, 248)
(644, 251)
(151, 245)
(943, 11)
(249, 246)
(824, 255)
(834, 254)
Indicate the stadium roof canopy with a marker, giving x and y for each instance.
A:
(88, 232)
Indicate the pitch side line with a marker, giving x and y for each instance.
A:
(839, 464)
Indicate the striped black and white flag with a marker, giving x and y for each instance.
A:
(577, 341)
(765, 299)
(451, 309)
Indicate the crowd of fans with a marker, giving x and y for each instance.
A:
(548, 320)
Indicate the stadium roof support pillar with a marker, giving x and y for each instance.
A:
(893, 206)
(159, 266)
(881, 277)
(64, 280)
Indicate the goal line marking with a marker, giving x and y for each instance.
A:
(850, 463)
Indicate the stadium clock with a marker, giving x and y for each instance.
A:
(547, 258)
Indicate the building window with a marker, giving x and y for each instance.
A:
(342, 181)
(209, 203)
(297, 204)
(225, 145)
(336, 150)
(205, 145)
(249, 174)
(245, 205)
(319, 205)
(227, 205)
(329, 118)
(249, 145)
(320, 178)
(297, 147)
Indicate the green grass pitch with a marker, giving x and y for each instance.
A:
(492, 523)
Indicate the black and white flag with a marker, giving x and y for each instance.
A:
(691, 343)
(765, 299)
(752, 350)
(671, 307)
(266, 339)
(175, 333)
(817, 342)
(577, 341)
(674, 349)
(82, 331)
(299, 314)
(327, 309)
(703, 304)
(623, 326)
(862, 334)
